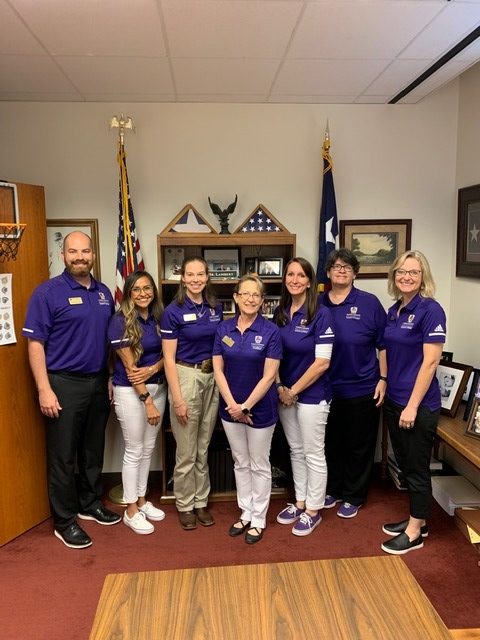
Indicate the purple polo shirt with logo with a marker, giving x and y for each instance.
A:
(72, 322)
(359, 325)
(421, 321)
(193, 326)
(244, 359)
(151, 343)
(299, 340)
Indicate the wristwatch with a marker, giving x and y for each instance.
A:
(245, 411)
(143, 396)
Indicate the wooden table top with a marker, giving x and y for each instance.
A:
(452, 431)
(353, 599)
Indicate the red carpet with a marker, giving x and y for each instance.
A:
(50, 592)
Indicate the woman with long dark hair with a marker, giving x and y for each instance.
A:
(139, 392)
(188, 330)
(304, 391)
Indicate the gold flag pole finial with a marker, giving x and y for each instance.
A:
(326, 149)
(123, 124)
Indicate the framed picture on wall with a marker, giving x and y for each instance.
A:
(376, 243)
(270, 267)
(468, 228)
(452, 379)
(56, 232)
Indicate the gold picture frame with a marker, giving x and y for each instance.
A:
(57, 229)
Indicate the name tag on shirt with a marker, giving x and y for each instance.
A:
(75, 301)
(228, 341)
(189, 317)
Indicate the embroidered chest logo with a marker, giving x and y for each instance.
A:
(258, 339)
(409, 323)
(257, 345)
(353, 315)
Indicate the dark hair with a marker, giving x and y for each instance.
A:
(208, 294)
(311, 300)
(346, 256)
(133, 329)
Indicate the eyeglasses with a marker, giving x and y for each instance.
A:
(245, 295)
(146, 289)
(413, 273)
(342, 267)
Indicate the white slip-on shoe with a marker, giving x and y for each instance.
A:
(151, 512)
(138, 523)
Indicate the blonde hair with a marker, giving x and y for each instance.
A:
(249, 277)
(427, 287)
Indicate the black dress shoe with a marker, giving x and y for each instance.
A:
(204, 516)
(74, 537)
(402, 544)
(394, 528)
(252, 539)
(237, 531)
(100, 514)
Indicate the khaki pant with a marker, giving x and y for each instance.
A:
(191, 480)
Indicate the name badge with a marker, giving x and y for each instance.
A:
(228, 341)
(189, 317)
(75, 301)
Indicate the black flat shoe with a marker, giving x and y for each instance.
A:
(402, 544)
(252, 539)
(237, 531)
(394, 528)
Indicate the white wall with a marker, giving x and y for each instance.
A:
(389, 162)
(465, 300)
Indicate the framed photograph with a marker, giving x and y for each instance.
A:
(447, 356)
(223, 264)
(270, 303)
(452, 379)
(472, 391)
(468, 225)
(251, 265)
(473, 425)
(56, 232)
(228, 305)
(173, 263)
(270, 267)
(376, 243)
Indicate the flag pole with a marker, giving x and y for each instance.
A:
(328, 227)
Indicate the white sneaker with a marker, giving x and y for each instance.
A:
(151, 512)
(138, 523)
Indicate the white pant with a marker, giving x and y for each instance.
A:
(304, 427)
(253, 473)
(139, 437)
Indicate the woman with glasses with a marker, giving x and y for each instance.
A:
(358, 384)
(188, 329)
(414, 339)
(246, 356)
(304, 391)
(139, 392)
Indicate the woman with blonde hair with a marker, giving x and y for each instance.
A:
(139, 392)
(414, 337)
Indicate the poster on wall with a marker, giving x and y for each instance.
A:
(7, 328)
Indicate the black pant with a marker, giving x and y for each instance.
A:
(413, 449)
(350, 441)
(76, 436)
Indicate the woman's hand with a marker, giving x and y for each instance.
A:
(236, 413)
(153, 414)
(181, 411)
(137, 375)
(287, 397)
(379, 394)
(407, 418)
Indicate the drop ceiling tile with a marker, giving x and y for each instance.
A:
(118, 75)
(15, 37)
(369, 29)
(441, 77)
(27, 96)
(233, 76)
(95, 27)
(222, 98)
(233, 29)
(327, 77)
(311, 99)
(399, 73)
(32, 74)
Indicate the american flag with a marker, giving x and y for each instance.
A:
(328, 232)
(129, 257)
(260, 222)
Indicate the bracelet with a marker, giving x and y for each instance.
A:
(279, 385)
(179, 404)
(383, 378)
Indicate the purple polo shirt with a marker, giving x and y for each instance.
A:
(72, 322)
(244, 359)
(151, 343)
(193, 326)
(359, 325)
(421, 321)
(299, 340)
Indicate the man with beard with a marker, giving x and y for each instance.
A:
(66, 327)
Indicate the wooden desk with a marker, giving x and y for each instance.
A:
(352, 599)
(452, 432)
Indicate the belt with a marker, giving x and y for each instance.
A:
(78, 374)
(205, 366)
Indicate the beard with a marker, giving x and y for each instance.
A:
(79, 268)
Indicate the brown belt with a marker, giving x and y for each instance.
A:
(205, 366)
